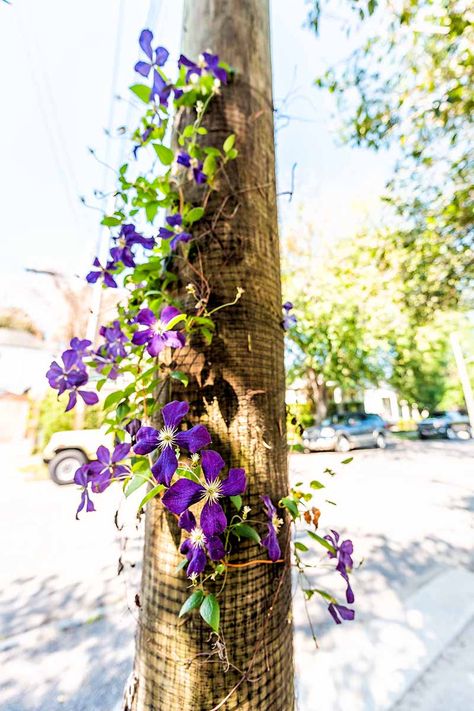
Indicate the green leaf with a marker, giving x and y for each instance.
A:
(110, 221)
(174, 321)
(195, 214)
(301, 546)
(347, 461)
(182, 564)
(310, 592)
(236, 501)
(182, 377)
(151, 495)
(243, 530)
(122, 410)
(232, 154)
(135, 484)
(112, 399)
(192, 602)
(316, 484)
(142, 91)
(291, 505)
(321, 541)
(209, 166)
(229, 143)
(210, 612)
(165, 155)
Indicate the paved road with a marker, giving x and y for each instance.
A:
(67, 621)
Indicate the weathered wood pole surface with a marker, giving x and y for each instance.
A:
(237, 389)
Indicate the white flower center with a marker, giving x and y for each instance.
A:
(166, 437)
(277, 523)
(158, 327)
(197, 537)
(212, 491)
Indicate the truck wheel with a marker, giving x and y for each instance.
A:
(63, 466)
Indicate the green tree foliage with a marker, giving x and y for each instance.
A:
(355, 329)
(409, 83)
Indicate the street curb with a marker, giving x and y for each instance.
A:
(378, 660)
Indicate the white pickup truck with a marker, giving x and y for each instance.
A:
(67, 451)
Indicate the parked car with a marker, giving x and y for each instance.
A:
(343, 432)
(67, 451)
(449, 424)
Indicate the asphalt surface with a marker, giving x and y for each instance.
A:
(67, 620)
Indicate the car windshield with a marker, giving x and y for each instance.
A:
(340, 419)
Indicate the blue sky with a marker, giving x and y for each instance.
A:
(65, 61)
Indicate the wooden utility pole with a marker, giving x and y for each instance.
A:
(237, 389)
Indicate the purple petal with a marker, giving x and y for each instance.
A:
(270, 542)
(269, 506)
(164, 233)
(89, 398)
(180, 237)
(175, 220)
(161, 55)
(69, 358)
(221, 74)
(172, 339)
(156, 345)
(110, 281)
(147, 440)
(72, 401)
(146, 317)
(194, 439)
(349, 593)
(235, 483)
(96, 469)
(174, 412)
(344, 612)
(80, 477)
(139, 338)
(215, 548)
(213, 520)
(143, 68)
(185, 62)
(185, 546)
(165, 466)
(181, 495)
(103, 455)
(92, 277)
(168, 313)
(197, 562)
(120, 452)
(212, 463)
(145, 40)
(187, 521)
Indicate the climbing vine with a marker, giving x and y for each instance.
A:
(173, 462)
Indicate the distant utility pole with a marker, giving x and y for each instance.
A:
(237, 389)
(463, 376)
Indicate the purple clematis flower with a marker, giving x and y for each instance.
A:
(168, 438)
(337, 611)
(289, 320)
(114, 340)
(143, 139)
(157, 57)
(104, 272)
(107, 468)
(81, 349)
(178, 235)
(270, 541)
(206, 63)
(195, 546)
(343, 553)
(82, 478)
(127, 238)
(158, 335)
(194, 167)
(184, 493)
(70, 376)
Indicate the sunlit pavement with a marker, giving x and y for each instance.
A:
(67, 620)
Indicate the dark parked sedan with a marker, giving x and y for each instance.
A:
(448, 424)
(344, 432)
